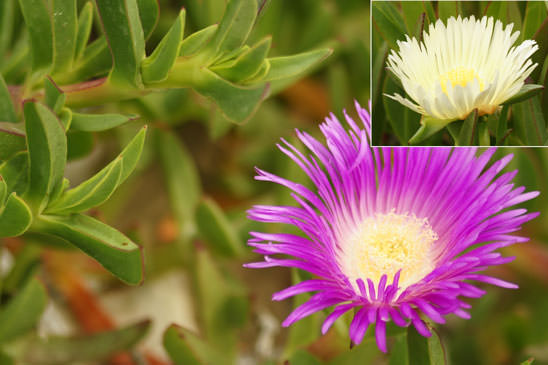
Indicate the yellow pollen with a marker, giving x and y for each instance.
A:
(387, 243)
(459, 76)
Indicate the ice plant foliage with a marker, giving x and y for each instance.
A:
(457, 68)
(390, 233)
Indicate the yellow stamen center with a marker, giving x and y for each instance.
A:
(459, 76)
(387, 243)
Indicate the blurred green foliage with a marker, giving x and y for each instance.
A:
(522, 121)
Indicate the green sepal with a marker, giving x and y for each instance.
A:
(428, 127)
(245, 65)
(194, 42)
(215, 228)
(156, 67)
(91, 193)
(235, 26)
(98, 122)
(7, 111)
(85, 21)
(22, 312)
(11, 142)
(47, 146)
(94, 348)
(185, 347)
(122, 27)
(113, 250)
(527, 91)
(15, 217)
(65, 31)
(55, 98)
(39, 24)
(290, 66)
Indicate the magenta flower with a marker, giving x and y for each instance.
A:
(391, 233)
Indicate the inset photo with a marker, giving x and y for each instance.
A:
(459, 73)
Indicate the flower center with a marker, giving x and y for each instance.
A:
(459, 76)
(386, 243)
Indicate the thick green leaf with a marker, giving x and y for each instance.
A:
(447, 9)
(11, 142)
(235, 25)
(55, 98)
(467, 134)
(3, 191)
(428, 127)
(388, 22)
(149, 12)
(429, 9)
(364, 353)
(411, 11)
(7, 112)
(65, 31)
(96, 61)
(214, 290)
(502, 124)
(131, 153)
(23, 311)
(484, 139)
(116, 252)
(6, 25)
(85, 20)
(91, 193)
(65, 117)
(238, 103)
(194, 42)
(535, 14)
(185, 347)
(24, 268)
(15, 172)
(527, 91)
(246, 65)
(94, 348)
(122, 27)
(156, 67)
(529, 122)
(498, 10)
(47, 145)
(425, 350)
(39, 24)
(15, 217)
(98, 122)
(178, 348)
(182, 180)
(289, 66)
(215, 228)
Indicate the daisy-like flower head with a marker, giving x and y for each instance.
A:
(390, 233)
(457, 68)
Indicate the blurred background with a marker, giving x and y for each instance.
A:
(186, 205)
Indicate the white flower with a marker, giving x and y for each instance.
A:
(467, 65)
